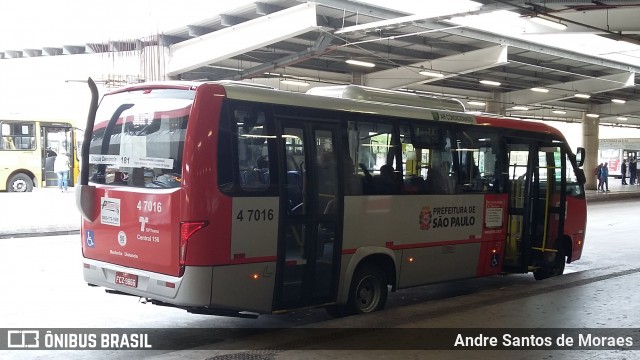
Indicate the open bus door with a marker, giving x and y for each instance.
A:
(537, 204)
(56, 138)
(311, 215)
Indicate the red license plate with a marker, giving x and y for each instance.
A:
(126, 279)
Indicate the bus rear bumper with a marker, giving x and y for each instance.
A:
(185, 291)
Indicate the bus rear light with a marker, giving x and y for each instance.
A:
(167, 284)
(86, 266)
(255, 276)
(187, 229)
(411, 259)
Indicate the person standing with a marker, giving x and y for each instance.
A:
(604, 176)
(623, 170)
(61, 168)
(598, 172)
(633, 169)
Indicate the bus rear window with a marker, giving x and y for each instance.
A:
(138, 138)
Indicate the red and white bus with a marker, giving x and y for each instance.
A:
(232, 199)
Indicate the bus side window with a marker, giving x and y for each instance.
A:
(573, 184)
(376, 151)
(252, 148)
(476, 160)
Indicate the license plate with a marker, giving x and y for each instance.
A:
(126, 279)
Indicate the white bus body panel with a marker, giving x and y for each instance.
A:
(192, 289)
(235, 288)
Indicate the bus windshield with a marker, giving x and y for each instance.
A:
(139, 137)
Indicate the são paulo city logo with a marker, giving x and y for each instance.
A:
(447, 217)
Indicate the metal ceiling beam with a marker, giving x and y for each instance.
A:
(360, 8)
(33, 52)
(266, 9)
(195, 31)
(320, 46)
(329, 76)
(531, 46)
(449, 66)
(52, 51)
(230, 20)
(250, 35)
(168, 40)
(552, 66)
(569, 89)
(13, 54)
(73, 49)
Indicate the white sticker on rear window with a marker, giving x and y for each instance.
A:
(150, 162)
(132, 161)
(110, 211)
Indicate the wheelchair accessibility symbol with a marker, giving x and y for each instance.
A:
(495, 259)
(90, 240)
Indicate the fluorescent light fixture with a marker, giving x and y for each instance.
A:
(294, 82)
(593, 115)
(548, 23)
(430, 73)
(519, 107)
(360, 63)
(476, 103)
(489, 82)
(622, 118)
(561, 112)
(541, 90)
(582, 96)
(618, 101)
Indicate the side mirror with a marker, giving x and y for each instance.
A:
(580, 156)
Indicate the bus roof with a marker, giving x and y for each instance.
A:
(357, 99)
(18, 117)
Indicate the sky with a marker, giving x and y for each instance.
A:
(38, 23)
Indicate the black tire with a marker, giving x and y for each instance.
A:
(558, 267)
(368, 291)
(20, 183)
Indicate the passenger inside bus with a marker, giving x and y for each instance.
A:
(438, 180)
(385, 183)
(262, 169)
(8, 143)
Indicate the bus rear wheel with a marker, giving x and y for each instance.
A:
(20, 183)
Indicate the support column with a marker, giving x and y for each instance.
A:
(357, 78)
(590, 141)
(494, 106)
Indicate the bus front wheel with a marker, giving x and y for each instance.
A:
(368, 291)
(556, 270)
(20, 183)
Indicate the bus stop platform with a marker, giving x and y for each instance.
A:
(48, 211)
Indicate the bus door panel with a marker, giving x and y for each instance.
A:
(310, 213)
(55, 140)
(519, 175)
(552, 203)
(536, 202)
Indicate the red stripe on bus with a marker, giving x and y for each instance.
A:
(389, 245)
(250, 260)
